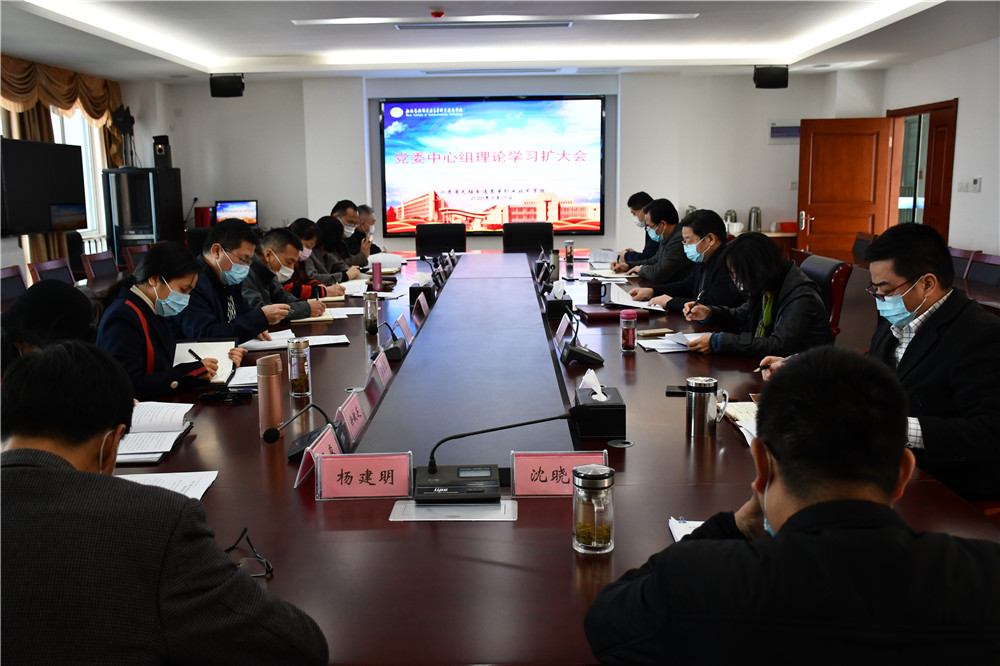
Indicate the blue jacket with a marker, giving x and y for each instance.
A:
(205, 316)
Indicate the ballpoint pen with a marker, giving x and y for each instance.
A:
(197, 358)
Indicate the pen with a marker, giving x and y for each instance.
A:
(191, 351)
(767, 366)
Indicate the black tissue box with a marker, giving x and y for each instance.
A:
(604, 420)
(555, 308)
(416, 290)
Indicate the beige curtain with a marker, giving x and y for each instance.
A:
(27, 89)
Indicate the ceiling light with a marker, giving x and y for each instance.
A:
(479, 25)
(498, 18)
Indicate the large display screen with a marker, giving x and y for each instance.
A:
(485, 162)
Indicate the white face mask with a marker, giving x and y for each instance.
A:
(100, 455)
(284, 273)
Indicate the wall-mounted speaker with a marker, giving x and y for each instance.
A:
(226, 85)
(770, 77)
(161, 152)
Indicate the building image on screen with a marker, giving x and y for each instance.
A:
(487, 162)
(240, 210)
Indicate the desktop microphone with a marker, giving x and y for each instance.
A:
(574, 414)
(271, 435)
(395, 350)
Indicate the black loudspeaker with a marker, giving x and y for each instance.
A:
(161, 152)
(226, 85)
(770, 77)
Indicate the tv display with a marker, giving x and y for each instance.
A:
(485, 162)
(240, 210)
(42, 187)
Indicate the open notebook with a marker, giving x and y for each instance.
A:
(156, 427)
(187, 350)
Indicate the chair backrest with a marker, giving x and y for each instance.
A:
(99, 264)
(12, 282)
(984, 268)
(438, 238)
(961, 260)
(527, 236)
(55, 269)
(861, 243)
(798, 256)
(195, 239)
(133, 255)
(74, 250)
(831, 276)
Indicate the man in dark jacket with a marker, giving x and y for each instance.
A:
(784, 313)
(842, 579)
(669, 262)
(273, 264)
(637, 204)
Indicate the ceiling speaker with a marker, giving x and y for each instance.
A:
(226, 85)
(770, 77)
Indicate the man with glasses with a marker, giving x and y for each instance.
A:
(945, 350)
(217, 308)
(101, 570)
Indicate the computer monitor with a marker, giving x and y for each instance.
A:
(241, 210)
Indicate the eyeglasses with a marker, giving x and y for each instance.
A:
(238, 259)
(874, 293)
(256, 566)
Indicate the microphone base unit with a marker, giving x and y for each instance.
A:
(580, 354)
(298, 447)
(394, 351)
(416, 290)
(457, 484)
(602, 419)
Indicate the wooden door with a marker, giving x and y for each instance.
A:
(940, 165)
(847, 178)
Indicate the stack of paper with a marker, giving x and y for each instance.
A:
(602, 256)
(671, 342)
(680, 528)
(192, 484)
(156, 427)
(279, 340)
(619, 296)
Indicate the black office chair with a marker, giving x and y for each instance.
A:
(831, 276)
(527, 236)
(55, 269)
(12, 282)
(861, 243)
(439, 238)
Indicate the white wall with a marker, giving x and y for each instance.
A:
(300, 145)
(972, 75)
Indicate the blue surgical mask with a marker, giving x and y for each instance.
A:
(767, 523)
(173, 304)
(893, 308)
(655, 236)
(234, 275)
(692, 253)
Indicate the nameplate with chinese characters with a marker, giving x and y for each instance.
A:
(325, 444)
(535, 474)
(561, 331)
(384, 371)
(351, 414)
(363, 475)
(422, 305)
(404, 326)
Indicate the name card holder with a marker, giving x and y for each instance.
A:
(353, 417)
(404, 326)
(325, 444)
(363, 475)
(561, 331)
(549, 473)
(381, 364)
(421, 306)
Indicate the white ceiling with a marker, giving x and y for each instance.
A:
(185, 41)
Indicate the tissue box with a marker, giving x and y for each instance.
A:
(555, 308)
(605, 420)
(416, 290)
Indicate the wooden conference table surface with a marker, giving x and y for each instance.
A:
(495, 592)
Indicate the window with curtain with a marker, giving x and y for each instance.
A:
(75, 130)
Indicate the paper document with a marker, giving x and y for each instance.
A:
(246, 376)
(326, 316)
(603, 256)
(605, 273)
(192, 484)
(355, 287)
(390, 296)
(599, 265)
(282, 343)
(217, 349)
(619, 296)
(748, 428)
(350, 311)
(333, 299)
(279, 340)
(160, 416)
(680, 528)
(742, 411)
(671, 342)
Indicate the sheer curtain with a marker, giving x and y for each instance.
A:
(27, 90)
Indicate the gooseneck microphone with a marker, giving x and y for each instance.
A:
(575, 413)
(271, 435)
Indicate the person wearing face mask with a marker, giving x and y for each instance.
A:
(217, 308)
(349, 216)
(945, 350)
(326, 263)
(637, 204)
(356, 239)
(274, 264)
(783, 313)
(817, 558)
(704, 236)
(301, 285)
(134, 331)
(103, 570)
(669, 263)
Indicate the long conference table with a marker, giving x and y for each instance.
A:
(481, 592)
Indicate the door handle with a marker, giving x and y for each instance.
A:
(803, 218)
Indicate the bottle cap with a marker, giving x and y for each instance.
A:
(627, 314)
(269, 365)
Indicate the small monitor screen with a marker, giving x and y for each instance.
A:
(240, 210)
(68, 216)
